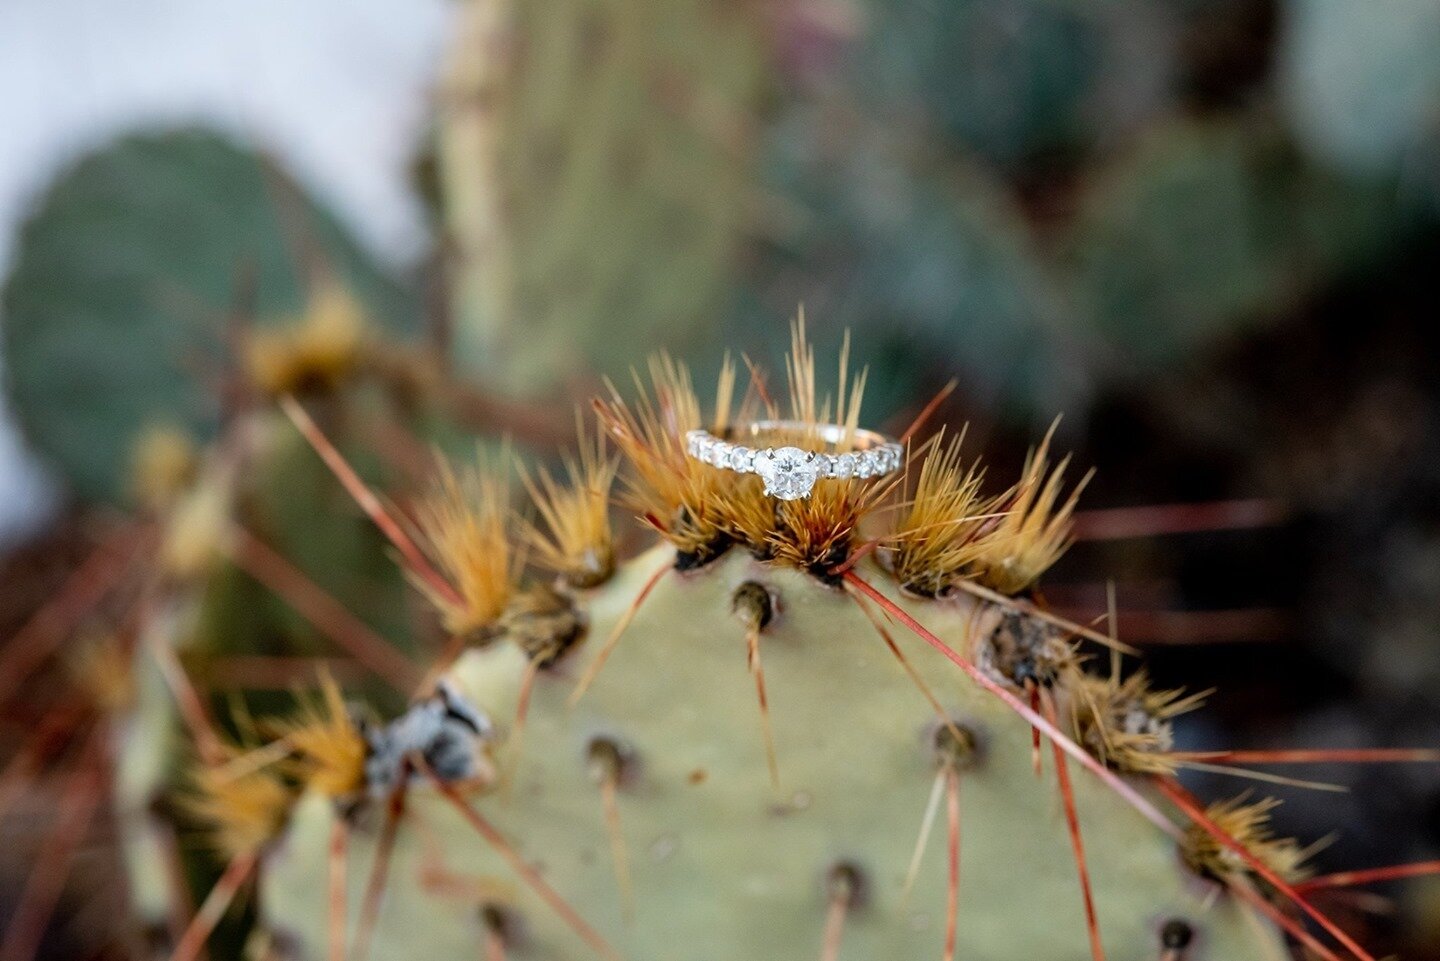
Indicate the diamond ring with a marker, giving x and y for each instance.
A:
(790, 473)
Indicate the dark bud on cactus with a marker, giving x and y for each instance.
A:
(608, 760)
(845, 885)
(544, 623)
(503, 925)
(1176, 935)
(1025, 651)
(956, 746)
(753, 603)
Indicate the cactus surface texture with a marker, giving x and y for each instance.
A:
(128, 273)
(790, 729)
(595, 161)
(843, 726)
(723, 864)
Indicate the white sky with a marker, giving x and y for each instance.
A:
(336, 89)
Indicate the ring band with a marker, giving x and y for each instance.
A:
(790, 473)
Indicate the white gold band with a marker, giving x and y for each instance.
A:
(789, 472)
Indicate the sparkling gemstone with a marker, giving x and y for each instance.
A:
(867, 465)
(720, 454)
(789, 473)
(742, 459)
(844, 465)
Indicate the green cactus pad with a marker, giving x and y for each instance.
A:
(1362, 91)
(1210, 229)
(595, 161)
(148, 749)
(115, 309)
(724, 866)
(1006, 80)
(905, 247)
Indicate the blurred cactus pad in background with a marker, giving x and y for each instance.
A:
(391, 617)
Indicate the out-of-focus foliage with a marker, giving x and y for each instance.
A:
(1004, 79)
(912, 250)
(1012, 82)
(1361, 85)
(134, 262)
(1206, 230)
(1043, 192)
(288, 499)
(595, 162)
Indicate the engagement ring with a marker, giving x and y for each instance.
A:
(790, 473)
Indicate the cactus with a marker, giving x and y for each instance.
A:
(1367, 106)
(903, 246)
(1008, 80)
(590, 771)
(721, 863)
(595, 163)
(844, 727)
(126, 278)
(1362, 94)
(1208, 229)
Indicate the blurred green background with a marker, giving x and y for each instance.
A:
(1207, 231)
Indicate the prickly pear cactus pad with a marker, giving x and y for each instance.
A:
(840, 727)
(99, 344)
(596, 161)
(836, 727)
(723, 864)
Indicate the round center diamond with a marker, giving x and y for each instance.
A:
(789, 472)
